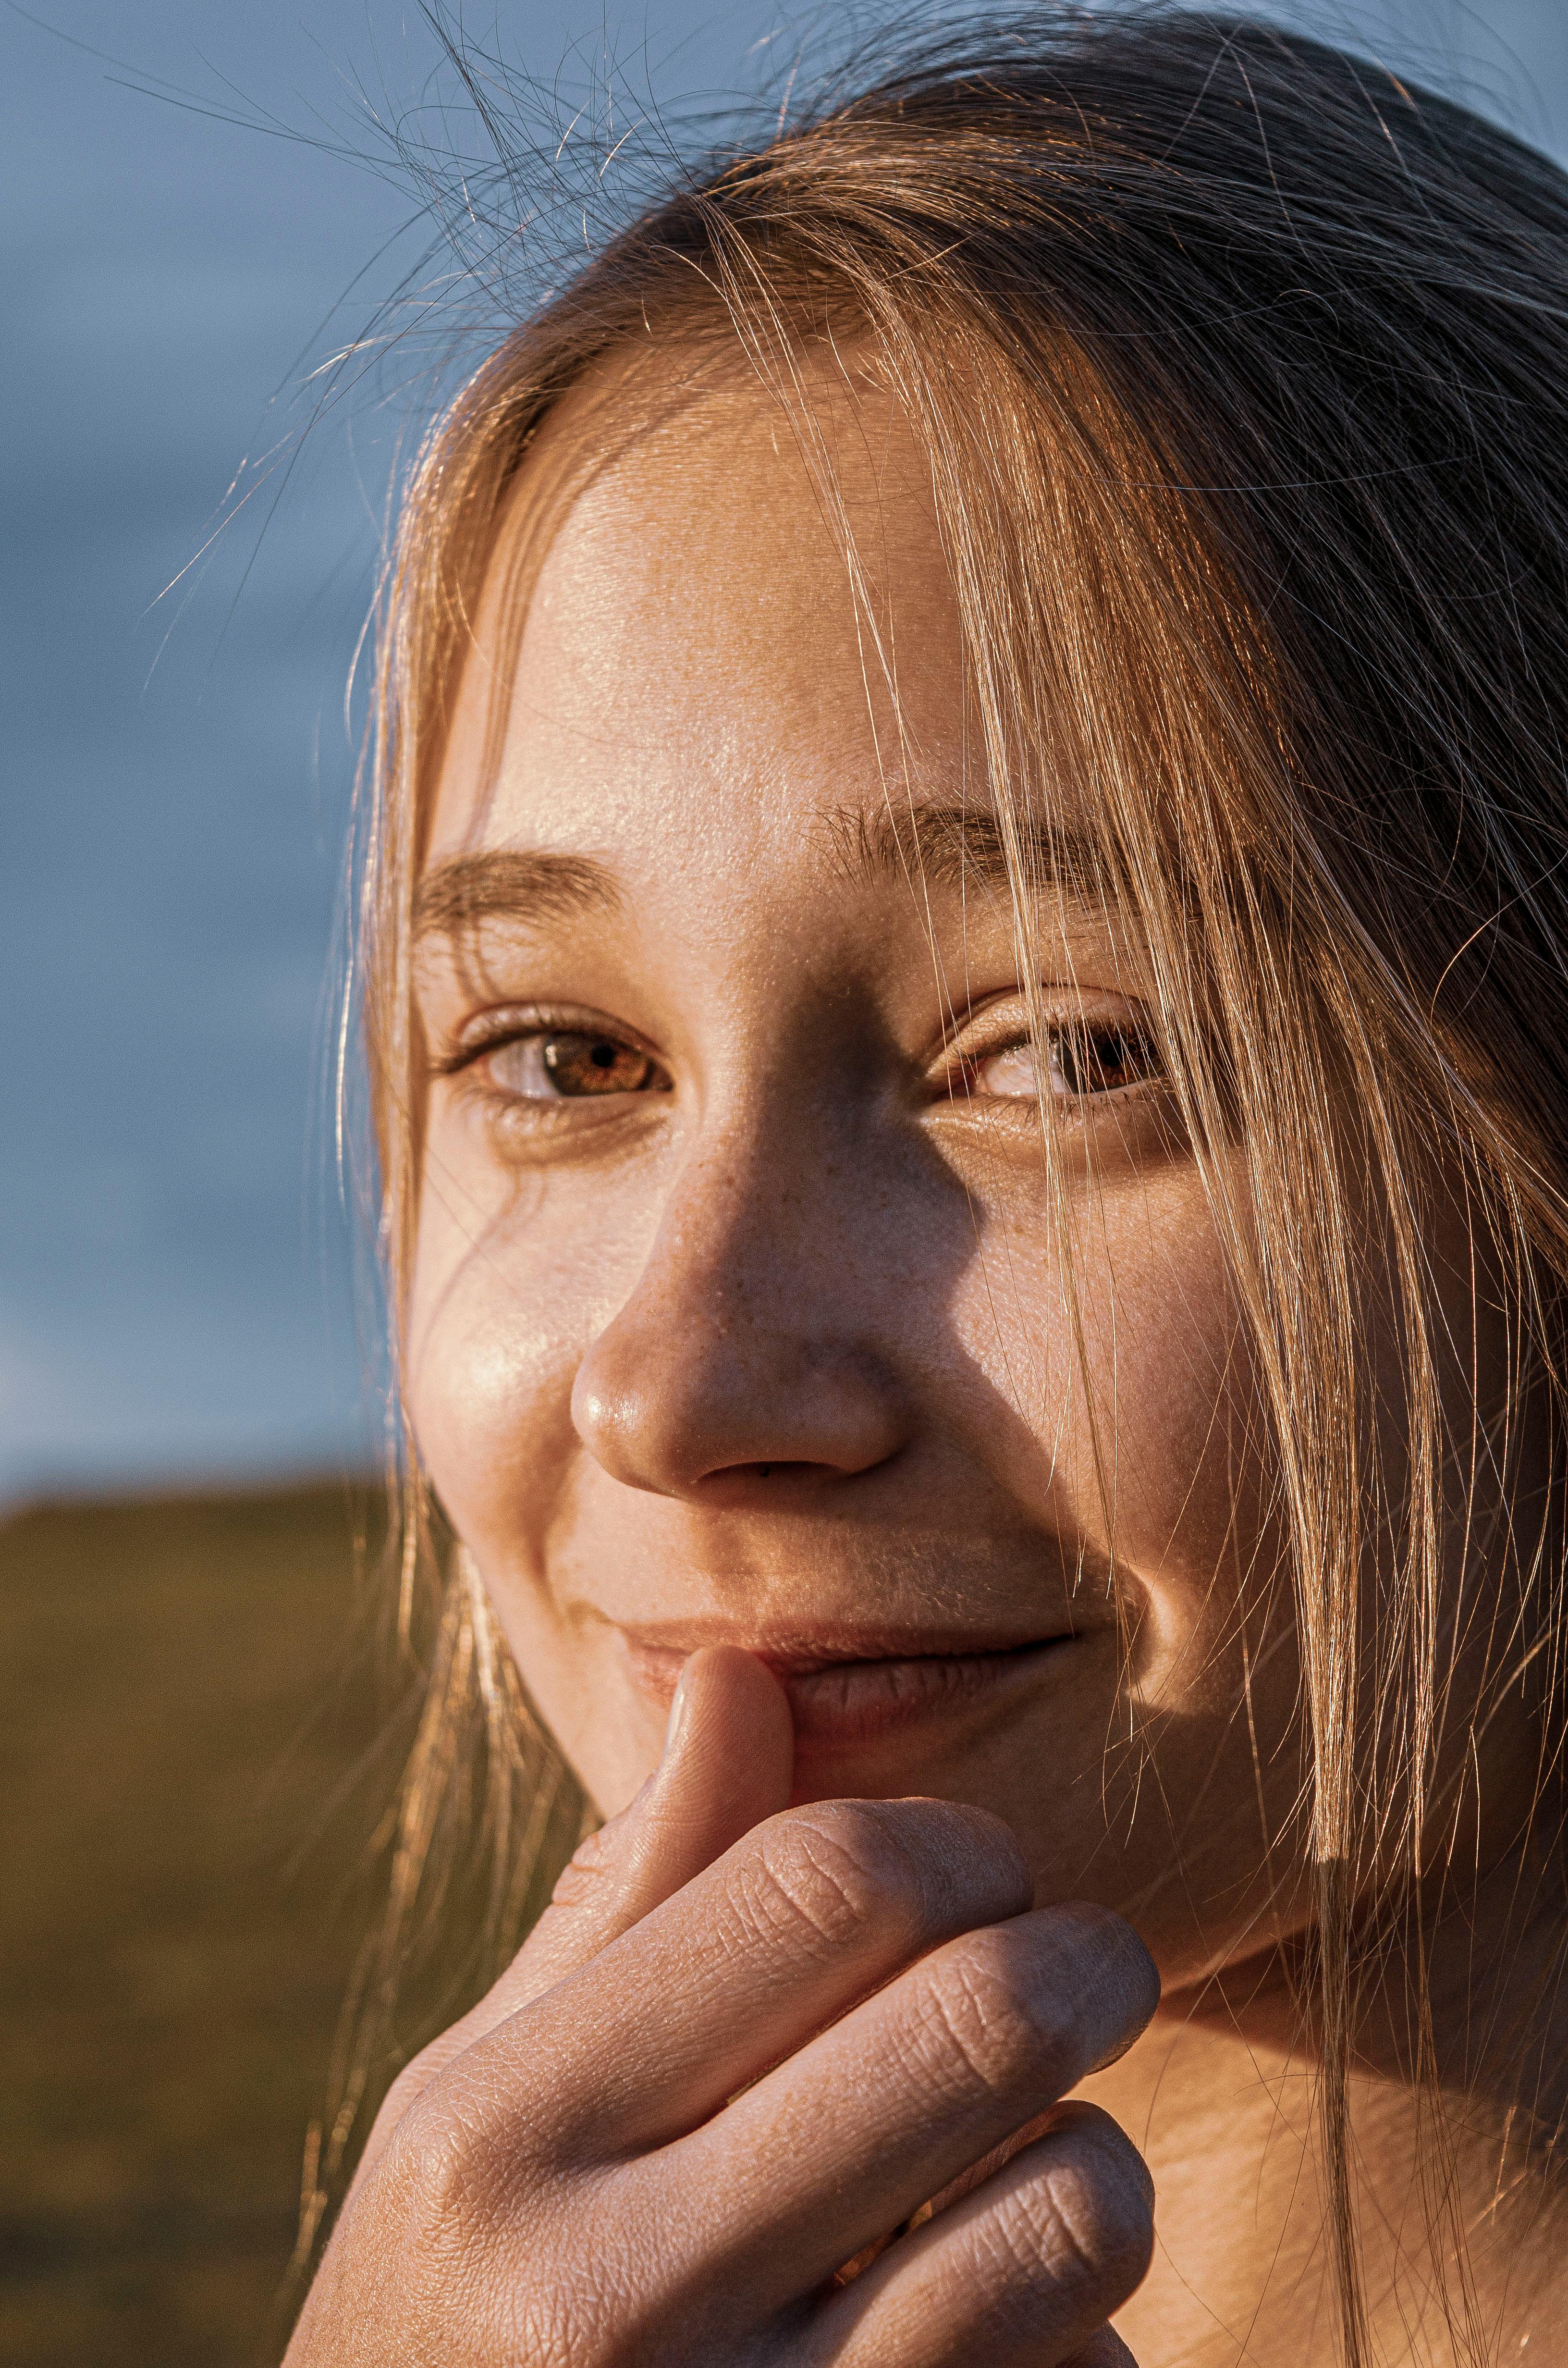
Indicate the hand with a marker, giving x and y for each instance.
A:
(742, 2047)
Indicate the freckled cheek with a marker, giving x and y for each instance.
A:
(1155, 1346)
(1195, 1519)
(494, 1343)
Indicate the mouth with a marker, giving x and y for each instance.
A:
(844, 1692)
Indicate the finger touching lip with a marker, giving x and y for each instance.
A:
(839, 1698)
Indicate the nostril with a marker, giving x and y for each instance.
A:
(739, 1473)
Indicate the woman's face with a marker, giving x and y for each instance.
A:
(739, 1309)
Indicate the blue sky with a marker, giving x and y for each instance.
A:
(175, 1269)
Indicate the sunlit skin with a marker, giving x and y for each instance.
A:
(775, 1350)
(740, 1319)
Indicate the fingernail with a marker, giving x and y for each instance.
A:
(678, 1717)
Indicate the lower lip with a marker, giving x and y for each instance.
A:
(849, 1702)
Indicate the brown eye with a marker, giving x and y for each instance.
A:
(553, 1064)
(1085, 1059)
(1101, 1057)
(595, 1065)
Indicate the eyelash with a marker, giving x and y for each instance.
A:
(1108, 1044)
(1078, 1051)
(544, 1028)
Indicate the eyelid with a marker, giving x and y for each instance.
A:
(1063, 1004)
(508, 1023)
(970, 1045)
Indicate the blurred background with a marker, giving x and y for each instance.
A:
(201, 208)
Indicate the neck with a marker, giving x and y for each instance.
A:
(1458, 2176)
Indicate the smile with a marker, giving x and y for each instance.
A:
(841, 1699)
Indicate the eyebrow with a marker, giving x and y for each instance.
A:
(946, 845)
(952, 845)
(508, 882)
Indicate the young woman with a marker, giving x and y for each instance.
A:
(968, 1009)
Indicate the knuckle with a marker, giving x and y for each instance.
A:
(1117, 1957)
(441, 2177)
(985, 2026)
(1085, 2219)
(458, 2175)
(835, 1869)
(532, 2265)
(1101, 2222)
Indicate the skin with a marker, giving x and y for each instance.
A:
(762, 1365)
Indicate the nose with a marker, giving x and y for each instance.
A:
(750, 1354)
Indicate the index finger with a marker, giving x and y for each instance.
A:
(795, 1924)
(877, 2116)
(726, 1765)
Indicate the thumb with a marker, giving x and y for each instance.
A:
(728, 1760)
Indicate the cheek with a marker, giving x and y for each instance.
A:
(1138, 1392)
(497, 1331)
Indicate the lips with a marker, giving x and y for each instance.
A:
(841, 1698)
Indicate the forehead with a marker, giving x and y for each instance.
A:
(743, 617)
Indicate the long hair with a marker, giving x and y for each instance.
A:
(1241, 369)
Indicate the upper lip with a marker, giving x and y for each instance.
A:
(795, 1653)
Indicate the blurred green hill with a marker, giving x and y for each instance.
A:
(187, 1742)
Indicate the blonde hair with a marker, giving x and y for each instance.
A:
(1242, 374)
